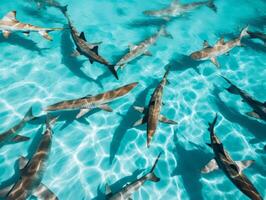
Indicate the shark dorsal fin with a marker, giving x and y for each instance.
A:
(11, 16)
(82, 36)
(95, 49)
(221, 41)
(206, 44)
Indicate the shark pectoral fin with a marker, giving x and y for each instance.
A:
(253, 114)
(139, 109)
(206, 44)
(82, 36)
(140, 121)
(22, 162)
(211, 166)
(244, 164)
(105, 107)
(129, 198)
(108, 189)
(147, 53)
(96, 43)
(95, 49)
(82, 112)
(20, 138)
(27, 33)
(4, 191)
(45, 35)
(215, 61)
(10, 17)
(209, 145)
(166, 120)
(75, 54)
(91, 60)
(6, 34)
(42, 192)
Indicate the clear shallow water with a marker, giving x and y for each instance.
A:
(37, 72)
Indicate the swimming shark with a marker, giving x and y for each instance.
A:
(89, 50)
(220, 48)
(258, 35)
(9, 24)
(232, 169)
(141, 49)
(11, 135)
(176, 9)
(31, 173)
(152, 113)
(50, 3)
(127, 191)
(85, 104)
(259, 108)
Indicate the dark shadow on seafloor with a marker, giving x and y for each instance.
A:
(118, 185)
(42, 15)
(127, 122)
(231, 114)
(22, 41)
(189, 165)
(181, 62)
(65, 116)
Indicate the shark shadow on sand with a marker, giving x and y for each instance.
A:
(252, 125)
(65, 116)
(181, 62)
(119, 184)
(71, 62)
(189, 163)
(127, 122)
(41, 15)
(23, 42)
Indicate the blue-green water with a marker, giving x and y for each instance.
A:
(102, 147)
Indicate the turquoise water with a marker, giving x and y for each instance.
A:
(102, 147)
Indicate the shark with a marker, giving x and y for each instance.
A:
(9, 24)
(89, 102)
(258, 35)
(31, 172)
(220, 48)
(11, 135)
(259, 108)
(136, 51)
(50, 3)
(232, 169)
(152, 113)
(176, 9)
(89, 50)
(127, 191)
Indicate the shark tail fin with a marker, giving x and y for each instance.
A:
(64, 9)
(29, 115)
(212, 125)
(164, 32)
(212, 6)
(243, 33)
(113, 70)
(151, 176)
